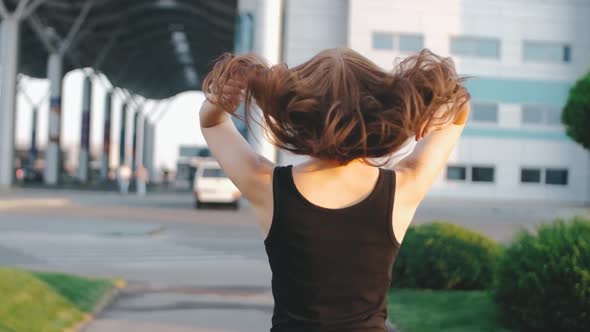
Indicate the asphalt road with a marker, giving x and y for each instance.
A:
(188, 270)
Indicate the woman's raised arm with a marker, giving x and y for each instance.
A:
(248, 170)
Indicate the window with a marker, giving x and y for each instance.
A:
(556, 176)
(532, 115)
(541, 115)
(553, 117)
(411, 43)
(485, 112)
(530, 175)
(398, 42)
(382, 41)
(244, 40)
(482, 174)
(213, 173)
(546, 52)
(475, 46)
(567, 53)
(458, 173)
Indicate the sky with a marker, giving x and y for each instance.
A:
(179, 125)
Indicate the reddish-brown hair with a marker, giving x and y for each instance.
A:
(339, 105)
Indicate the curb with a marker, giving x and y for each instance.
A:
(10, 204)
(118, 285)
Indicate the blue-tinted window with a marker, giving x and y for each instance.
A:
(382, 41)
(244, 40)
(482, 174)
(477, 47)
(546, 52)
(541, 114)
(213, 173)
(458, 173)
(567, 53)
(553, 116)
(411, 43)
(530, 175)
(556, 176)
(485, 112)
(403, 42)
(488, 48)
(532, 115)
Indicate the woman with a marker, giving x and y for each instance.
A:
(334, 224)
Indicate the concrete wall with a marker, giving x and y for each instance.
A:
(508, 81)
(309, 27)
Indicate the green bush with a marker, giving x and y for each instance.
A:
(543, 279)
(442, 255)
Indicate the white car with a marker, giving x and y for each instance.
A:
(211, 185)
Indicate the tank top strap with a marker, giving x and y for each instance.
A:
(387, 186)
(280, 182)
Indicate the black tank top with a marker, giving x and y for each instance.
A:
(331, 268)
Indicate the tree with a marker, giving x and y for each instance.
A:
(576, 114)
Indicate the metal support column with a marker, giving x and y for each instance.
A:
(141, 175)
(85, 132)
(267, 42)
(123, 135)
(148, 145)
(53, 163)
(134, 137)
(52, 153)
(9, 63)
(33, 148)
(106, 141)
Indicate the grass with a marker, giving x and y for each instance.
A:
(443, 311)
(44, 302)
(84, 293)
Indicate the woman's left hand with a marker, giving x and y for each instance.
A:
(231, 95)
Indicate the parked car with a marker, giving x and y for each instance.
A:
(211, 185)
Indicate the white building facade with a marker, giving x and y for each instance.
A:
(522, 57)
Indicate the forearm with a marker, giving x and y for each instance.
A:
(211, 115)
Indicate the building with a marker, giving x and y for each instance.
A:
(522, 55)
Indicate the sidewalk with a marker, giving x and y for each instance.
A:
(148, 308)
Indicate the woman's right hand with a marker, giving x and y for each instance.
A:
(431, 125)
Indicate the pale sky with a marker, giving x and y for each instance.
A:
(179, 125)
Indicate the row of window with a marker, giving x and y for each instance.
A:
(530, 114)
(484, 47)
(553, 176)
(398, 42)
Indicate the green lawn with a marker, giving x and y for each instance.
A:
(82, 292)
(44, 302)
(443, 311)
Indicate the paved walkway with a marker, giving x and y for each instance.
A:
(179, 309)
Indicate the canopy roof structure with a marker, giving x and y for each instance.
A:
(153, 48)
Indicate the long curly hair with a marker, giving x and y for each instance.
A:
(340, 106)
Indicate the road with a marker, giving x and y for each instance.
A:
(188, 270)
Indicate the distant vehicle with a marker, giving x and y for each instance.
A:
(211, 185)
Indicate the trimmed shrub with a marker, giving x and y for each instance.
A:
(543, 279)
(443, 255)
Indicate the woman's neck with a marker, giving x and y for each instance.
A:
(333, 166)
